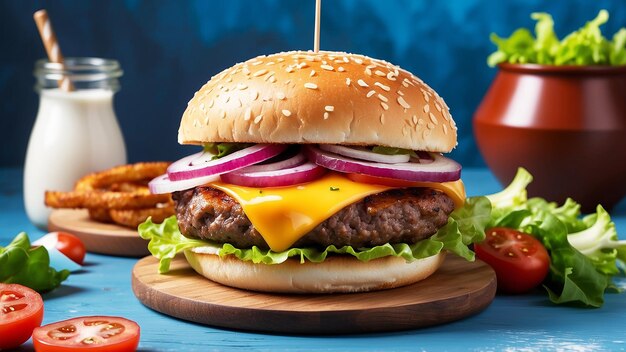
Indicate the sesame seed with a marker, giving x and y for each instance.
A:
(269, 63)
(211, 103)
(438, 107)
(382, 119)
(280, 95)
(426, 108)
(257, 119)
(286, 112)
(280, 59)
(206, 120)
(370, 66)
(287, 81)
(248, 114)
(391, 76)
(272, 79)
(326, 115)
(400, 93)
(368, 71)
(223, 114)
(229, 79)
(379, 73)
(256, 63)
(260, 73)
(289, 69)
(341, 69)
(425, 134)
(403, 103)
(382, 86)
(329, 108)
(303, 65)
(327, 67)
(405, 85)
(383, 98)
(362, 83)
(414, 119)
(242, 86)
(426, 97)
(310, 85)
(430, 126)
(433, 119)
(267, 78)
(312, 73)
(348, 81)
(358, 61)
(370, 93)
(385, 106)
(445, 129)
(420, 122)
(227, 99)
(246, 70)
(255, 95)
(345, 59)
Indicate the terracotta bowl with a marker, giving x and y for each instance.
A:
(566, 125)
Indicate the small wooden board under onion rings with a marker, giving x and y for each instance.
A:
(102, 238)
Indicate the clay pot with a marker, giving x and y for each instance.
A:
(566, 125)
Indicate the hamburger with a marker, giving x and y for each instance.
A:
(320, 173)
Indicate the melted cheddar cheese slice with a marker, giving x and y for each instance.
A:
(283, 215)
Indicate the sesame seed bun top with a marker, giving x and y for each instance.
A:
(325, 97)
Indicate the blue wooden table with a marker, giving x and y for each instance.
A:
(524, 323)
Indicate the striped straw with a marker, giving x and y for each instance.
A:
(51, 44)
(318, 15)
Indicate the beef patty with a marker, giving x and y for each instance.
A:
(395, 216)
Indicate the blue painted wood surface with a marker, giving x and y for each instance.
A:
(528, 322)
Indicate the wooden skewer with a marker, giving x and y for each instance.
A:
(316, 38)
(51, 44)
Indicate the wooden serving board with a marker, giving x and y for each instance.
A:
(98, 237)
(458, 289)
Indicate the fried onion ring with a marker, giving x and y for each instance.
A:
(117, 188)
(134, 217)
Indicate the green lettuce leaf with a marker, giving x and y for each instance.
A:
(222, 149)
(24, 265)
(465, 226)
(585, 46)
(584, 252)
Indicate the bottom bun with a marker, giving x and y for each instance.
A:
(335, 274)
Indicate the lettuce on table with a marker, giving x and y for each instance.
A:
(22, 264)
(585, 252)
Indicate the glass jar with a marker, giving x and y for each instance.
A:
(75, 133)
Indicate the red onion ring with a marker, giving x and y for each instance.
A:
(441, 169)
(306, 172)
(297, 159)
(201, 165)
(163, 184)
(364, 154)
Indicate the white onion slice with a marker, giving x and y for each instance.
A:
(441, 169)
(364, 154)
(201, 165)
(306, 172)
(163, 184)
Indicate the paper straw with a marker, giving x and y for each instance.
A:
(316, 38)
(51, 44)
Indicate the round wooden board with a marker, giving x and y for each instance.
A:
(458, 289)
(98, 237)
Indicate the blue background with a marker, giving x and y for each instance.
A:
(169, 48)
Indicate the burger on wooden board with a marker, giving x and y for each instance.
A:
(321, 172)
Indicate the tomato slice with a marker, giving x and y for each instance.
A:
(385, 181)
(520, 261)
(92, 333)
(67, 243)
(21, 311)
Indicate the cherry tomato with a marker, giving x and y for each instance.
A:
(21, 311)
(67, 243)
(520, 261)
(93, 333)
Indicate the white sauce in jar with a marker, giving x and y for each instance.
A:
(75, 133)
